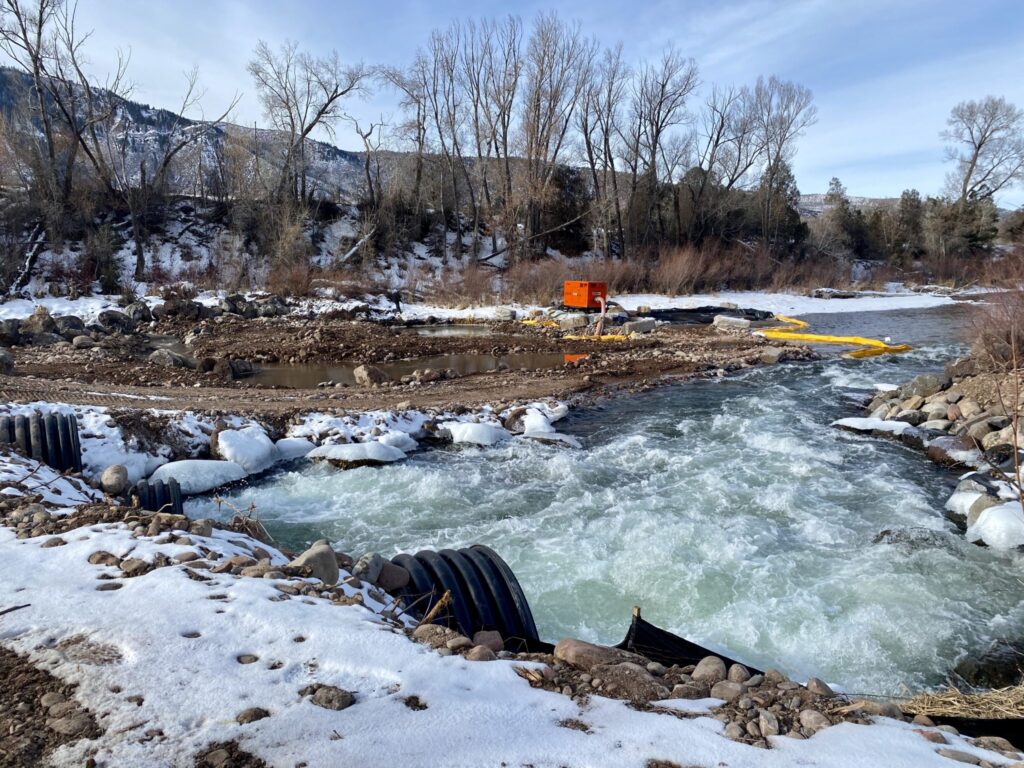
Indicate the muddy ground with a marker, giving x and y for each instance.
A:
(117, 371)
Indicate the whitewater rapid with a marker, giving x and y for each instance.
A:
(728, 509)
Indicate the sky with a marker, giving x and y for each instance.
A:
(884, 73)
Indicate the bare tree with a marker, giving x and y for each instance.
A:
(300, 93)
(556, 63)
(987, 146)
(784, 111)
(414, 104)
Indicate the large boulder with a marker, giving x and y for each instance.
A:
(632, 681)
(10, 332)
(233, 369)
(320, 562)
(271, 306)
(6, 362)
(237, 304)
(139, 312)
(113, 321)
(585, 656)
(249, 447)
(70, 326)
(114, 480)
(38, 322)
(710, 669)
(367, 375)
(168, 359)
(926, 384)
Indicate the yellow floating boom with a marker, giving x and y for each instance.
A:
(866, 347)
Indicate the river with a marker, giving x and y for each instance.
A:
(728, 509)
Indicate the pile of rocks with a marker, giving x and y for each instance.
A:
(40, 329)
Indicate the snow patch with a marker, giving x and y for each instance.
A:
(200, 475)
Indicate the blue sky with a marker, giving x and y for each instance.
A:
(884, 73)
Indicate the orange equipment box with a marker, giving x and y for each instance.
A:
(582, 294)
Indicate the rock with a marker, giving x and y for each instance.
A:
(690, 691)
(139, 312)
(52, 698)
(768, 723)
(332, 697)
(962, 367)
(734, 731)
(321, 562)
(913, 403)
(819, 688)
(481, 653)
(113, 321)
(879, 708)
(6, 362)
(433, 635)
(923, 720)
(572, 322)
(775, 677)
(489, 638)
(71, 725)
(960, 757)
(356, 455)
(644, 325)
(771, 355)
(725, 321)
(586, 656)
(710, 669)
(459, 643)
(950, 451)
(913, 418)
(114, 480)
(168, 359)
(365, 375)
(251, 715)
(999, 666)
(738, 674)
(392, 577)
(995, 743)
(969, 408)
(935, 737)
(134, 567)
(201, 527)
(83, 342)
(232, 369)
(726, 690)
(505, 314)
(813, 720)
(10, 332)
(925, 384)
(631, 680)
(937, 425)
(38, 323)
(656, 669)
(368, 567)
(980, 505)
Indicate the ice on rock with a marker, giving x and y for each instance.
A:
(199, 475)
(537, 426)
(293, 448)
(475, 434)
(1001, 527)
(249, 447)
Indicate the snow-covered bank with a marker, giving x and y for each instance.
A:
(201, 657)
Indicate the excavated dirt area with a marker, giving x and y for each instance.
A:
(117, 370)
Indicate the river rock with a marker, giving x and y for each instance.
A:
(960, 757)
(39, 322)
(980, 505)
(321, 561)
(586, 656)
(768, 723)
(879, 708)
(251, 715)
(368, 567)
(738, 674)
(950, 451)
(925, 384)
(113, 321)
(392, 577)
(69, 326)
(962, 367)
(710, 669)
(366, 375)
(504, 314)
(6, 362)
(726, 690)
(139, 312)
(632, 681)
(168, 359)
(771, 355)
(114, 480)
(913, 418)
(83, 342)
(71, 725)
(489, 638)
(813, 720)
(481, 653)
(10, 332)
(969, 408)
(332, 697)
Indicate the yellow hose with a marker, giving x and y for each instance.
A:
(866, 347)
(604, 337)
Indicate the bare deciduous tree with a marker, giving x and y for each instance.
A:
(987, 146)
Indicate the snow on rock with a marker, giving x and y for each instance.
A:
(537, 426)
(873, 425)
(1001, 527)
(960, 502)
(400, 440)
(248, 447)
(358, 454)
(475, 434)
(200, 475)
(289, 448)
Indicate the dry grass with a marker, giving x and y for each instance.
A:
(999, 704)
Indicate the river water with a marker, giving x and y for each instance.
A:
(728, 509)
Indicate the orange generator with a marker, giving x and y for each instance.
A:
(583, 294)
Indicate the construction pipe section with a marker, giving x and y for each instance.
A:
(483, 593)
